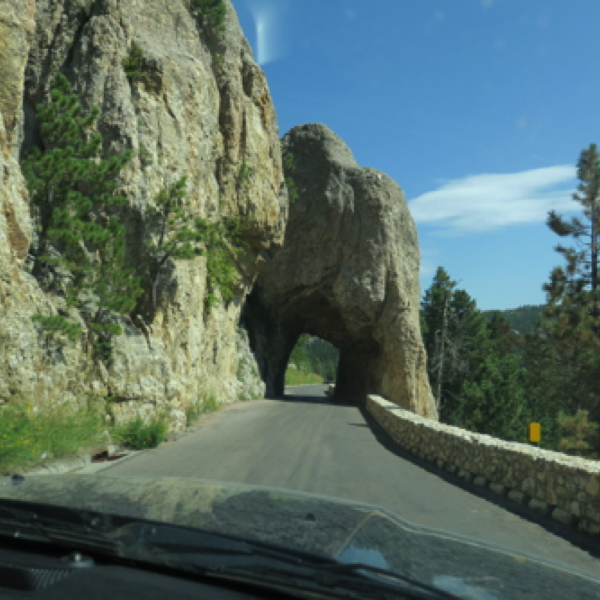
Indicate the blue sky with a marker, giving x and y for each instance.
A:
(479, 109)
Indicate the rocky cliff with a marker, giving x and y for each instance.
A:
(348, 272)
(200, 107)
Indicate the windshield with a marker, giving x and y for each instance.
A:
(258, 247)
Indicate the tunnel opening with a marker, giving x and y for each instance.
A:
(310, 329)
(312, 360)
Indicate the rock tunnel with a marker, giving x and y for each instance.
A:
(347, 272)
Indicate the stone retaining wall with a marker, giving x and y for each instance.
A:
(566, 488)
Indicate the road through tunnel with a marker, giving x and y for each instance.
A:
(273, 337)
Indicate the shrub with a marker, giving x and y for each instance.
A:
(137, 436)
(194, 411)
(212, 10)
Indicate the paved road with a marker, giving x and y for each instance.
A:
(306, 443)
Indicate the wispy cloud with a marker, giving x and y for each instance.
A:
(494, 200)
(429, 262)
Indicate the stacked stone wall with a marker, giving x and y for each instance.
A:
(564, 487)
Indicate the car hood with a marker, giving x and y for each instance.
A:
(342, 530)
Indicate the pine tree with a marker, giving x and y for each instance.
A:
(491, 399)
(539, 380)
(443, 332)
(182, 237)
(580, 434)
(480, 388)
(467, 335)
(571, 319)
(79, 251)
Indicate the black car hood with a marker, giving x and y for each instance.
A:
(338, 529)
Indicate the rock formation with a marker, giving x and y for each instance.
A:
(201, 108)
(348, 272)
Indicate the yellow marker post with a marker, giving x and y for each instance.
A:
(535, 432)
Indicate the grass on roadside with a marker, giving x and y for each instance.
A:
(298, 377)
(29, 439)
(194, 411)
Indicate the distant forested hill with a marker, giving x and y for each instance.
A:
(318, 356)
(522, 319)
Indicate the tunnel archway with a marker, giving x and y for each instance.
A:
(348, 273)
(273, 336)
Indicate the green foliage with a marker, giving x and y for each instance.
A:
(244, 176)
(483, 385)
(145, 157)
(60, 325)
(523, 319)
(299, 357)
(315, 356)
(218, 61)
(581, 434)
(288, 165)
(212, 11)
(137, 436)
(296, 377)
(80, 250)
(182, 237)
(534, 363)
(194, 411)
(568, 337)
(29, 439)
(133, 63)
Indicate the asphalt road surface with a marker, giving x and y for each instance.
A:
(307, 443)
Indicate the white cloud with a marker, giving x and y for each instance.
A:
(429, 262)
(494, 200)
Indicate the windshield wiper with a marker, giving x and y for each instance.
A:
(223, 556)
(202, 552)
(58, 525)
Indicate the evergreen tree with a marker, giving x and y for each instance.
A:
(467, 339)
(182, 237)
(299, 356)
(445, 330)
(571, 319)
(491, 400)
(480, 388)
(539, 380)
(79, 251)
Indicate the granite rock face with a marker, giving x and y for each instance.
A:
(348, 272)
(201, 108)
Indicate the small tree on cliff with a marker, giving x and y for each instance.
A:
(183, 237)
(80, 250)
(214, 11)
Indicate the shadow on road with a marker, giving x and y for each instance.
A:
(316, 395)
(570, 534)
